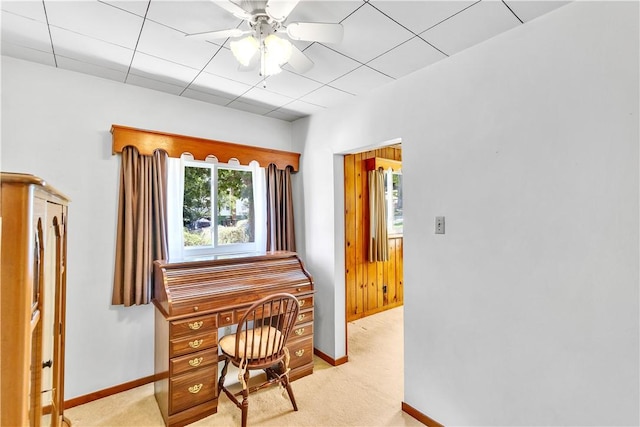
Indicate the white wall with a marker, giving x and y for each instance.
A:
(526, 311)
(55, 124)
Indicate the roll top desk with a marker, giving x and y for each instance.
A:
(194, 299)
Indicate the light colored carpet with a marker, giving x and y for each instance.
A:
(366, 391)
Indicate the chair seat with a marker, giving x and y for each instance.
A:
(260, 343)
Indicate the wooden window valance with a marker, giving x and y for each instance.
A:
(376, 163)
(147, 141)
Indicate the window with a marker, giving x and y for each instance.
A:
(393, 197)
(220, 213)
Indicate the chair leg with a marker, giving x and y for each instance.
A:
(223, 374)
(292, 398)
(245, 400)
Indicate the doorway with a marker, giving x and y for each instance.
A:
(371, 287)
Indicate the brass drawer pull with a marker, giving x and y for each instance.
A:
(195, 343)
(302, 302)
(301, 317)
(300, 352)
(196, 325)
(195, 388)
(299, 331)
(195, 362)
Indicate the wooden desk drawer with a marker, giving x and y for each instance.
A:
(192, 343)
(190, 362)
(301, 352)
(305, 302)
(192, 325)
(192, 389)
(226, 318)
(304, 317)
(301, 331)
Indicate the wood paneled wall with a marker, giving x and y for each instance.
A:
(371, 286)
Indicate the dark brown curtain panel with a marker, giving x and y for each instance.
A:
(280, 229)
(142, 225)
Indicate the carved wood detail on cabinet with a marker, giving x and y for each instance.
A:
(32, 312)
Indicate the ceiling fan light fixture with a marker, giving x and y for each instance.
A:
(244, 49)
(278, 49)
(276, 52)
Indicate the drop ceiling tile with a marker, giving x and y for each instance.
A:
(250, 108)
(134, 6)
(473, 25)
(219, 86)
(192, 16)
(159, 69)
(164, 42)
(260, 96)
(225, 65)
(327, 96)
(206, 97)
(27, 54)
(151, 83)
(91, 69)
(93, 51)
(25, 32)
(368, 33)
(97, 20)
(528, 10)
(328, 64)
(28, 9)
(361, 80)
(419, 16)
(287, 116)
(407, 58)
(290, 84)
(301, 107)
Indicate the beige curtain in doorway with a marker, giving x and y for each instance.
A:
(142, 225)
(280, 228)
(378, 237)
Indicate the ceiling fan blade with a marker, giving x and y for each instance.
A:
(317, 32)
(221, 34)
(299, 61)
(280, 9)
(233, 8)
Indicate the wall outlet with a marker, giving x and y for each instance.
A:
(439, 225)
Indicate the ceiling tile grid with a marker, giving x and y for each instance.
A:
(145, 43)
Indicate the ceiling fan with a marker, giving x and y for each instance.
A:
(263, 45)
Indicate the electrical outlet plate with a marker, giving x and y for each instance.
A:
(439, 225)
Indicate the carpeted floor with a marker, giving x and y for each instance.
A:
(366, 391)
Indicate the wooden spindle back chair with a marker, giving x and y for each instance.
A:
(259, 343)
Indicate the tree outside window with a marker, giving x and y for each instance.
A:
(219, 206)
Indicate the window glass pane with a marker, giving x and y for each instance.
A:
(397, 203)
(197, 206)
(236, 220)
(393, 196)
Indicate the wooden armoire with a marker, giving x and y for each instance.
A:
(32, 310)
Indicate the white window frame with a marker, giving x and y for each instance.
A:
(191, 252)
